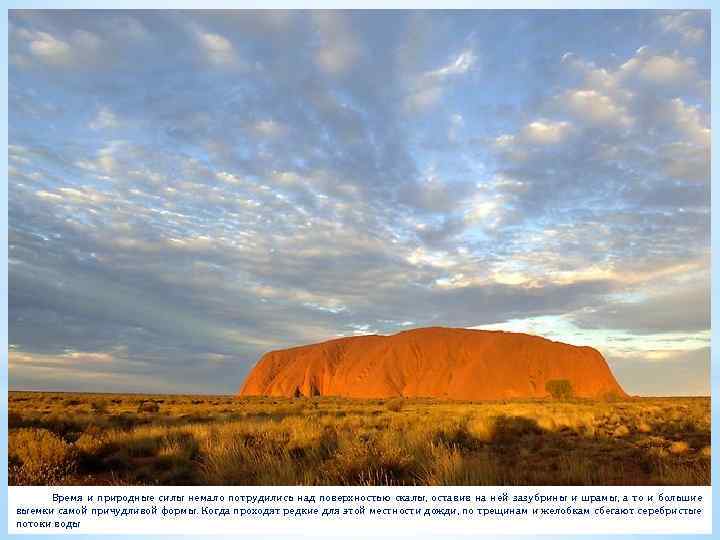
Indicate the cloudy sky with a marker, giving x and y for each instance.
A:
(188, 190)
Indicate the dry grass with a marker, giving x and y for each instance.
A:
(39, 457)
(86, 439)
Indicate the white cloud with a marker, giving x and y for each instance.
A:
(428, 87)
(437, 259)
(460, 65)
(78, 49)
(269, 128)
(456, 124)
(480, 211)
(504, 141)
(613, 96)
(689, 121)
(511, 146)
(682, 24)
(596, 108)
(423, 99)
(686, 161)
(531, 137)
(48, 196)
(546, 132)
(67, 359)
(218, 50)
(658, 69)
(227, 177)
(49, 49)
(83, 195)
(104, 119)
(106, 159)
(335, 59)
(339, 48)
(286, 177)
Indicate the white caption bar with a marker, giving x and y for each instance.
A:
(363, 511)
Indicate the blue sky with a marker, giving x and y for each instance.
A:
(188, 190)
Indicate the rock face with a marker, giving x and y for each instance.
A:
(447, 363)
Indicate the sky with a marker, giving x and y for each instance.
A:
(189, 190)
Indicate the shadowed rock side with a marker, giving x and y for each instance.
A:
(445, 363)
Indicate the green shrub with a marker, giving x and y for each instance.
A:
(559, 388)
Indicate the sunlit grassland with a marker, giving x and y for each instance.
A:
(112, 439)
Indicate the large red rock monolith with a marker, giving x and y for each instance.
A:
(447, 363)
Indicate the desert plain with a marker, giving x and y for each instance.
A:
(133, 439)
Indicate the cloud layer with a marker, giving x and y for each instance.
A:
(265, 179)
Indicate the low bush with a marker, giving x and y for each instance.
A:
(148, 407)
(39, 457)
(99, 406)
(395, 404)
(559, 388)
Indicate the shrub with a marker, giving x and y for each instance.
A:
(621, 431)
(559, 388)
(482, 428)
(14, 420)
(510, 429)
(99, 406)
(679, 447)
(148, 407)
(395, 404)
(92, 439)
(39, 457)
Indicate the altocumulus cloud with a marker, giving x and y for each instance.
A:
(265, 179)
